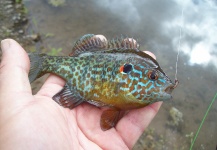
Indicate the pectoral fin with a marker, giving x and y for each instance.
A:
(67, 98)
(109, 118)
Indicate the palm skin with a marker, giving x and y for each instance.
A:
(37, 122)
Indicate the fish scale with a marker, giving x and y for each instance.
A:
(114, 73)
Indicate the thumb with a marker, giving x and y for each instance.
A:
(14, 69)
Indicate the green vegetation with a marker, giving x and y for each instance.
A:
(47, 35)
(34, 22)
(56, 3)
(18, 1)
(54, 51)
(202, 122)
(24, 10)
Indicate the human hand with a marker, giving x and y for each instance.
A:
(37, 122)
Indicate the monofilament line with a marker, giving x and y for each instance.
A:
(179, 45)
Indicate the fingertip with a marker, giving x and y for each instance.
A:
(156, 106)
(11, 50)
(102, 37)
(14, 67)
(5, 44)
(150, 54)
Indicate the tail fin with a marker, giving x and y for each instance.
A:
(36, 66)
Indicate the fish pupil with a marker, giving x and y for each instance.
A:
(127, 68)
(153, 75)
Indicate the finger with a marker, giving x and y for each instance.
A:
(52, 85)
(132, 42)
(14, 68)
(102, 37)
(88, 120)
(135, 122)
(15, 88)
(151, 54)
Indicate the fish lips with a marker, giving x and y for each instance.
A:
(167, 92)
(169, 89)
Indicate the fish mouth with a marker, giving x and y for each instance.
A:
(170, 88)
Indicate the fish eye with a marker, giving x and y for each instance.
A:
(126, 68)
(152, 75)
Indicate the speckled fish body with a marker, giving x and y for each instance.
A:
(114, 74)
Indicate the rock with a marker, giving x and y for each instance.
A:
(33, 37)
(175, 118)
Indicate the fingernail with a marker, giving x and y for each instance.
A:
(5, 44)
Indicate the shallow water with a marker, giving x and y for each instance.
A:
(156, 25)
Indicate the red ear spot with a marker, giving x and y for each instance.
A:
(126, 68)
(121, 69)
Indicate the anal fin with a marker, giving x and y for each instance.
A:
(109, 118)
(67, 98)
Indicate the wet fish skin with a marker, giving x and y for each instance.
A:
(114, 74)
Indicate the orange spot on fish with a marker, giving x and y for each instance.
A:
(121, 69)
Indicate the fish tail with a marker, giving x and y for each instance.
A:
(36, 61)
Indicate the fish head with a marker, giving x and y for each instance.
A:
(146, 82)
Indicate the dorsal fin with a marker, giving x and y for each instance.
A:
(88, 42)
(91, 43)
(122, 43)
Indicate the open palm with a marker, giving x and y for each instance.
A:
(38, 122)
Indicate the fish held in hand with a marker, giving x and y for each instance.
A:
(113, 74)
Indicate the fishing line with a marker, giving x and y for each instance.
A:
(176, 80)
(179, 46)
(202, 122)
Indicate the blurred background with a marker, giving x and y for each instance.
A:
(52, 26)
